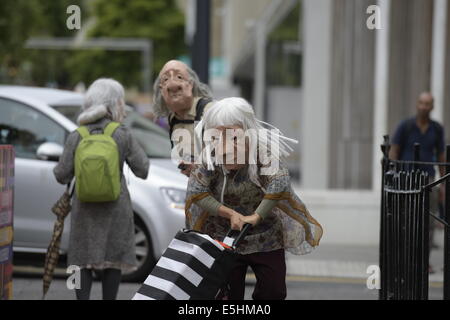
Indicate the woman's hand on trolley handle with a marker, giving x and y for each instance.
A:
(236, 219)
(253, 219)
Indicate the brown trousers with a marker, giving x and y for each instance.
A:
(270, 273)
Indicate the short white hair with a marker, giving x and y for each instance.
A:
(109, 93)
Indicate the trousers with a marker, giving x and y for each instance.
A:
(270, 272)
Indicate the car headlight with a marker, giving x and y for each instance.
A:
(175, 197)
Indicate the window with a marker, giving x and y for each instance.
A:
(154, 140)
(26, 128)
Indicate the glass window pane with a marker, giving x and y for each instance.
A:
(26, 128)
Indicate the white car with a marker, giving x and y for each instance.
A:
(37, 121)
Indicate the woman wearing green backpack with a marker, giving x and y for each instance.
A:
(102, 226)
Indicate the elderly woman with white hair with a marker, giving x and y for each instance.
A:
(243, 180)
(102, 233)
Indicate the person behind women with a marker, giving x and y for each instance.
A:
(224, 191)
(430, 135)
(102, 233)
(183, 98)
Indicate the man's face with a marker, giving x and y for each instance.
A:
(175, 84)
(424, 105)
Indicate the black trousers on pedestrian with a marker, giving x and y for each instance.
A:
(270, 272)
(110, 284)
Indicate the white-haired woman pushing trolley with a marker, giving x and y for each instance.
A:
(242, 179)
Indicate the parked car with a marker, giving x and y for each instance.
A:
(37, 121)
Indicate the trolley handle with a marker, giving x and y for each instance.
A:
(235, 237)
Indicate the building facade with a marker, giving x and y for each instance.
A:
(355, 82)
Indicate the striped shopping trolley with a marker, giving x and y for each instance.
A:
(193, 267)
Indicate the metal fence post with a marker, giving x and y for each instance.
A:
(382, 249)
(389, 208)
(447, 231)
(426, 240)
(404, 221)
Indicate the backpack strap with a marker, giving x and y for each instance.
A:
(174, 121)
(199, 109)
(110, 128)
(84, 132)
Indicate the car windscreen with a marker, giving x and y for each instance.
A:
(152, 138)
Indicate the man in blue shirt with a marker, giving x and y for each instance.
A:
(430, 134)
(420, 129)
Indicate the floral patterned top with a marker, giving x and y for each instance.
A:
(288, 226)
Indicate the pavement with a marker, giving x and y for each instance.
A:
(329, 272)
(352, 262)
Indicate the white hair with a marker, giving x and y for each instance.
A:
(237, 111)
(104, 98)
(199, 89)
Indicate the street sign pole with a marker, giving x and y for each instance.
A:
(201, 44)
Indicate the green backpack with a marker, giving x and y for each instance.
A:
(97, 171)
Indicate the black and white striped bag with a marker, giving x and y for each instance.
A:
(193, 267)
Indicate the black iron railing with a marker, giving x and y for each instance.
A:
(404, 230)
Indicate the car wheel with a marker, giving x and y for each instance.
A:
(144, 253)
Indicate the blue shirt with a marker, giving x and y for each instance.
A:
(431, 142)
